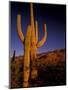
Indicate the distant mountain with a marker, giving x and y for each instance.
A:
(52, 58)
(46, 59)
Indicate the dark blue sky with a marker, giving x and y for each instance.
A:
(53, 15)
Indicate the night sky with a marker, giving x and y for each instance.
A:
(53, 15)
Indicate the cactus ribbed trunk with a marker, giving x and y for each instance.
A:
(33, 46)
(26, 70)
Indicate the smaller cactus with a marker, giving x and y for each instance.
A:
(13, 58)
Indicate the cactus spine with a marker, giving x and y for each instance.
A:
(30, 46)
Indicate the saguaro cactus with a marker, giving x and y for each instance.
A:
(34, 42)
(30, 45)
(26, 43)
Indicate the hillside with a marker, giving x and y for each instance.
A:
(51, 69)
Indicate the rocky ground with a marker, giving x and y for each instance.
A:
(51, 70)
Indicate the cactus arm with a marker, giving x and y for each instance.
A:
(27, 57)
(36, 32)
(19, 30)
(44, 38)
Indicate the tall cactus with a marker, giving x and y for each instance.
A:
(30, 45)
(34, 42)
